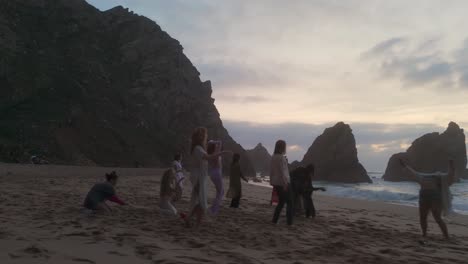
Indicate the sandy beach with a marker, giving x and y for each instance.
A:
(41, 222)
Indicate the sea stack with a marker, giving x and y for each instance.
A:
(111, 88)
(260, 159)
(334, 155)
(430, 153)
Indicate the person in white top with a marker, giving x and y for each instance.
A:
(179, 175)
(434, 194)
(199, 174)
(279, 179)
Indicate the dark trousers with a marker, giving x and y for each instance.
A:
(235, 202)
(283, 197)
(309, 207)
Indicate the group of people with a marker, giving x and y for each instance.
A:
(289, 187)
(206, 163)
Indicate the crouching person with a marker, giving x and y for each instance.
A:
(168, 192)
(101, 192)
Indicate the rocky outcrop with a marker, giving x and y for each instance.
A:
(81, 86)
(334, 156)
(260, 159)
(431, 153)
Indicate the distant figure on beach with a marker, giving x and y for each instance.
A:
(179, 175)
(199, 174)
(235, 186)
(168, 192)
(301, 182)
(38, 160)
(215, 171)
(101, 192)
(434, 195)
(279, 179)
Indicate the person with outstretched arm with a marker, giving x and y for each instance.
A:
(102, 192)
(199, 175)
(434, 195)
(301, 181)
(235, 186)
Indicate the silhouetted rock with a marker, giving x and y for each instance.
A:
(260, 159)
(81, 86)
(334, 156)
(294, 165)
(431, 153)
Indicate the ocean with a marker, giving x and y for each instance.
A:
(405, 193)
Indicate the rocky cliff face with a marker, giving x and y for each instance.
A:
(260, 159)
(334, 155)
(430, 153)
(83, 86)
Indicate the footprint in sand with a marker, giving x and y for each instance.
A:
(83, 260)
(82, 234)
(116, 253)
(36, 251)
(195, 259)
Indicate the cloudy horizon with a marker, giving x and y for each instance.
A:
(393, 70)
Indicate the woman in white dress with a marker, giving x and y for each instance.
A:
(199, 174)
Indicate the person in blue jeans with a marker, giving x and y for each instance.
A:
(279, 179)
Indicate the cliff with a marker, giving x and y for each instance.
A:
(334, 156)
(430, 153)
(260, 159)
(111, 88)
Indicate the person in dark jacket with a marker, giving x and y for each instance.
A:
(101, 192)
(301, 181)
(235, 186)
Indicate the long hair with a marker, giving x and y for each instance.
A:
(211, 147)
(166, 180)
(199, 137)
(280, 147)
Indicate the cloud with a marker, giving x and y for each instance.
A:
(235, 74)
(420, 62)
(384, 47)
(248, 99)
(295, 148)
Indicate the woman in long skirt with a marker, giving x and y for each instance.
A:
(215, 171)
(199, 174)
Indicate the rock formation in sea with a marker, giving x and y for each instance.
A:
(260, 159)
(430, 153)
(334, 155)
(81, 86)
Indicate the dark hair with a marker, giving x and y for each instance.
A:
(177, 156)
(211, 148)
(280, 147)
(111, 176)
(235, 158)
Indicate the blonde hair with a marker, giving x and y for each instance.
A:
(166, 181)
(199, 137)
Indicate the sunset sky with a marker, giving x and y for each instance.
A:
(393, 70)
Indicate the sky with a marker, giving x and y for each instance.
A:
(393, 70)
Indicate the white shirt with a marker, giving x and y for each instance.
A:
(279, 171)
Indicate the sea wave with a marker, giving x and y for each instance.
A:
(405, 193)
